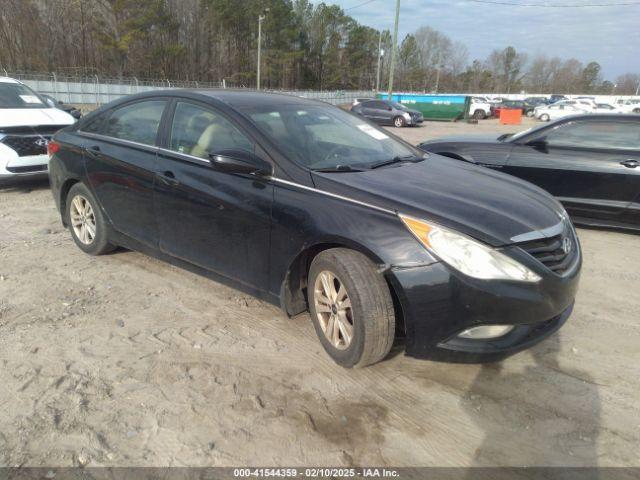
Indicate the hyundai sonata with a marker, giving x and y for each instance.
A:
(313, 208)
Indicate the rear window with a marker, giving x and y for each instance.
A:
(16, 95)
(137, 122)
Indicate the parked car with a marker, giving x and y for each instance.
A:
(537, 101)
(65, 107)
(26, 125)
(556, 98)
(311, 208)
(583, 103)
(387, 112)
(629, 106)
(508, 105)
(606, 108)
(480, 108)
(556, 111)
(591, 163)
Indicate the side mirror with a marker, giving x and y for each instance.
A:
(539, 144)
(239, 161)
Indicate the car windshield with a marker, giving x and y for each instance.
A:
(327, 138)
(399, 106)
(16, 95)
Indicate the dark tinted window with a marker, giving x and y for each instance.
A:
(618, 135)
(377, 105)
(94, 125)
(199, 131)
(136, 122)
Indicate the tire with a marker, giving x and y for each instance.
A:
(82, 213)
(530, 113)
(636, 110)
(371, 316)
(399, 122)
(479, 115)
(545, 117)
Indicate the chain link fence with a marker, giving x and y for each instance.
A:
(97, 90)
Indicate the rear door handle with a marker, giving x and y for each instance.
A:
(168, 178)
(631, 163)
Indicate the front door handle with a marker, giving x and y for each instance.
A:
(94, 150)
(168, 178)
(631, 163)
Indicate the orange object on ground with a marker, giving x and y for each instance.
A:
(510, 116)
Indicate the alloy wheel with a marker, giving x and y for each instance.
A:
(83, 219)
(333, 309)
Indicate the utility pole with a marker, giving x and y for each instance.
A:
(638, 89)
(379, 58)
(261, 17)
(394, 48)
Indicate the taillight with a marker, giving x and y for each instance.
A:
(52, 148)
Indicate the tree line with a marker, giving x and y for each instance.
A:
(305, 46)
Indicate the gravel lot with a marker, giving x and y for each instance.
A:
(123, 360)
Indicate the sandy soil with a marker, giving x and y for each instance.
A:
(123, 360)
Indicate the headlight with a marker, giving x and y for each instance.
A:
(467, 255)
(406, 115)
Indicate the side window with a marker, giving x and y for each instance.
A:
(95, 125)
(199, 131)
(137, 122)
(615, 135)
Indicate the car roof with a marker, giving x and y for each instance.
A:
(8, 80)
(235, 98)
(604, 116)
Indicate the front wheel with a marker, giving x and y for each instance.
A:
(399, 122)
(530, 113)
(545, 117)
(351, 307)
(86, 222)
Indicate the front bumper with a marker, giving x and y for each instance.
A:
(438, 303)
(14, 166)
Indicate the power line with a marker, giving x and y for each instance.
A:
(360, 5)
(547, 5)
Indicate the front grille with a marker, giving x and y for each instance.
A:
(551, 252)
(27, 145)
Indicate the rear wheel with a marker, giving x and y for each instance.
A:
(86, 222)
(351, 307)
(399, 122)
(545, 117)
(636, 110)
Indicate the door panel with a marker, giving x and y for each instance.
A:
(590, 181)
(121, 164)
(216, 220)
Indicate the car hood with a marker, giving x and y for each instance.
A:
(27, 117)
(487, 205)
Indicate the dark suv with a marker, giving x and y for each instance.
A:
(386, 112)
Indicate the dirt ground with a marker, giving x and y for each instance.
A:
(123, 360)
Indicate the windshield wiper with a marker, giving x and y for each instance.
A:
(338, 168)
(398, 159)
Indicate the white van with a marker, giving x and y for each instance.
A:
(27, 123)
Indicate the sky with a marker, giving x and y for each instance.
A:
(609, 35)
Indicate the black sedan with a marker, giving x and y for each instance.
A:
(591, 163)
(311, 208)
(387, 112)
(65, 107)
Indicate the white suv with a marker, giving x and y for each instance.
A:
(480, 108)
(27, 123)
